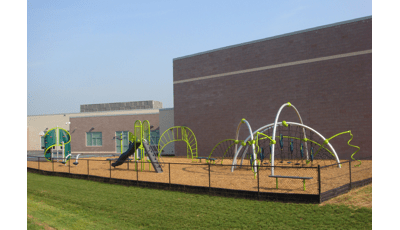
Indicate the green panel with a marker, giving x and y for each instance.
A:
(63, 136)
(50, 138)
(88, 139)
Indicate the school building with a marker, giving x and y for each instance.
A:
(325, 72)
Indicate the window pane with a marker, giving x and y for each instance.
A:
(99, 142)
(88, 139)
(96, 135)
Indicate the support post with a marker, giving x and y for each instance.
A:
(169, 174)
(276, 182)
(209, 178)
(350, 174)
(38, 162)
(110, 169)
(258, 182)
(52, 164)
(87, 167)
(69, 166)
(137, 175)
(319, 183)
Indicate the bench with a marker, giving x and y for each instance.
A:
(292, 177)
(207, 159)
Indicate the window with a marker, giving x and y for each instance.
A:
(155, 136)
(125, 143)
(94, 139)
(42, 145)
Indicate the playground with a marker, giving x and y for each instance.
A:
(281, 157)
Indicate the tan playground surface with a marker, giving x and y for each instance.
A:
(197, 174)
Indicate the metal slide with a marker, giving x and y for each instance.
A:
(153, 157)
(131, 150)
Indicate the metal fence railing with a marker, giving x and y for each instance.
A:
(323, 182)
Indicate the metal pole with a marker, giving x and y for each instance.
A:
(137, 174)
(209, 178)
(87, 167)
(69, 165)
(52, 164)
(319, 183)
(110, 169)
(258, 182)
(169, 174)
(38, 163)
(350, 174)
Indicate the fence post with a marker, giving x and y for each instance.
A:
(87, 168)
(52, 164)
(209, 178)
(258, 182)
(69, 166)
(137, 174)
(38, 163)
(110, 169)
(350, 174)
(128, 164)
(169, 174)
(319, 183)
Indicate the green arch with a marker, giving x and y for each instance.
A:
(179, 133)
(233, 143)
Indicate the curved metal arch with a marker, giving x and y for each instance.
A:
(274, 132)
(146, 130)
(269, 126)
(252, 145)
(184, 137)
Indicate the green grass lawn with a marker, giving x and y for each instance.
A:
(65, 203)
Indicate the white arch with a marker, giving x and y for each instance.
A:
(274, 132)
(269, 126)
(252, 145)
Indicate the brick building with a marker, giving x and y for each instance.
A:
(326, 72)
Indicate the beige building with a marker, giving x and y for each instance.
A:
(106, 123)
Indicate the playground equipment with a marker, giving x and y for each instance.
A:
(139, 146)
(297, 136)
(57, 139)
(179, 133)
(76, 160)
(289, 141)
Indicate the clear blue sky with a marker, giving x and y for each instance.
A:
(86, 52)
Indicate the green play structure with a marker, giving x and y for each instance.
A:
(139, 147)
(56, 140)
(179, 133)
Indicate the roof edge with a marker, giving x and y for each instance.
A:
(277, 36)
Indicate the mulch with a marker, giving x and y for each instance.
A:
(184, 171)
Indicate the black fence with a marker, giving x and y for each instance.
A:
(289, 184)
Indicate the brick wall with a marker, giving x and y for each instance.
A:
(108, 125)
(332, 96)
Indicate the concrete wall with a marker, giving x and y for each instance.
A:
(166, 122)
(325, 72)
(107, 125)
(121, 106)
(39, 123)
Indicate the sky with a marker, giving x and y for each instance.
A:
(90, 52)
